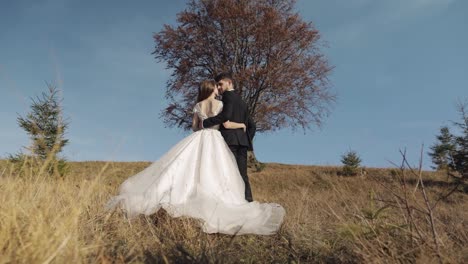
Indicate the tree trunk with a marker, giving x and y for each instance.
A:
(251, 159)
(253, 163)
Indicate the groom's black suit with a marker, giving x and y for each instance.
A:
(236, 110)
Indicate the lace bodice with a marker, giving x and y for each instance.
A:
(202, 115)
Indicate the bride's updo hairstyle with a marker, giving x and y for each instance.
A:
(206, 89)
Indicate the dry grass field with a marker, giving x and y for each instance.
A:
(330, 219)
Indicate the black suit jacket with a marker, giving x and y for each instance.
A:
(235, 110)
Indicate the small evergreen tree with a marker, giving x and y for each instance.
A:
(460, 156)
(46, 128)
(351, 162)
(442, 151)
(451, 150)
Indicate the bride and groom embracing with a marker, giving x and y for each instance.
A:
(204, 176)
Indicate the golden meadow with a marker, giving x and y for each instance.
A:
(378, 216)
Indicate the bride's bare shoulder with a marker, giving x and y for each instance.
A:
(197, 106)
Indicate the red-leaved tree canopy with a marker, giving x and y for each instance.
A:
(272, 53)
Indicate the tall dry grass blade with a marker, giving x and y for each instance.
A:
(62, 245)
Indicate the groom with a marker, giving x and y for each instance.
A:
(235, 110)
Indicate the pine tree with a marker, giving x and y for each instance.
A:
(351, 162)
(460, 156)
(442, 151)
(451, 150)
(46, 128)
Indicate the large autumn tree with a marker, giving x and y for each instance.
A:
(272, 53)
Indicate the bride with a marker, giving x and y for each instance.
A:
(199, 178)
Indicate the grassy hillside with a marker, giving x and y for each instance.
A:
(330, 219)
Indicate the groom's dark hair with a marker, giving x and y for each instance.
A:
(222, 76)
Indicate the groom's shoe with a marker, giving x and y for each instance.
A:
(248, 192)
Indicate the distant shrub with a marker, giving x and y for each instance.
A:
(351, 162)
(442, 151)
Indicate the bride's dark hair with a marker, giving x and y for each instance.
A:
(206, 89)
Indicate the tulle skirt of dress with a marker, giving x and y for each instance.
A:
(198, 178)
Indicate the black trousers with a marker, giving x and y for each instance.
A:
(240, 152)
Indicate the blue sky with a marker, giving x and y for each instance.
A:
(400, 66)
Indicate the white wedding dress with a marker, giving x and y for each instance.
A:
(199, 178)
